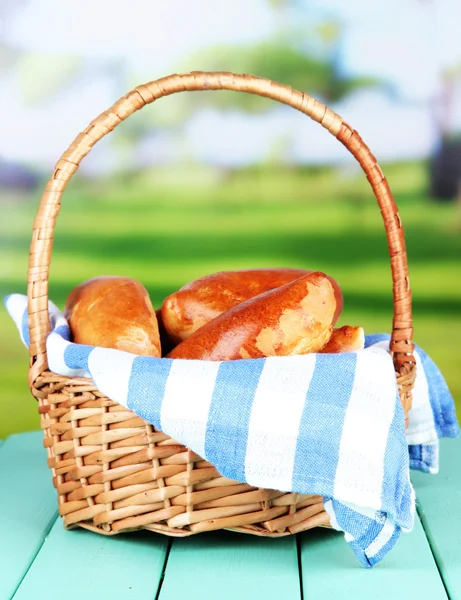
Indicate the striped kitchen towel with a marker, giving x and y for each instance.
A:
(326, 424)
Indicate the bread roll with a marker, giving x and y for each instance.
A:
(295, 318)
(345, 339)
(202, 300)
(113, 312)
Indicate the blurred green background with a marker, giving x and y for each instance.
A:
(166, 235)
(205, 182)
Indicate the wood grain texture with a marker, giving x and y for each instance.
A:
(79, 564)
(232, 566)
(331, 571)
(28, 506)
(439, 503)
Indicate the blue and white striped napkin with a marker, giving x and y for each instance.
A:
(326, 424)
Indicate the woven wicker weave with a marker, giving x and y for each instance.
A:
(113, 471)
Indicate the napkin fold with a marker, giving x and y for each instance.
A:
(326, 424)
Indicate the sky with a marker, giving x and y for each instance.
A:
(152, 35)
(407, 42)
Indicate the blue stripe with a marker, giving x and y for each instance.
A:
(369, 535)
(76, 356)
(146, 387)
(375, 338)
(360, 554)
(431, 455)
(317, 450)
(424, 457)
(25, 328)
(362, 528)
(64, 332)
(229, 415)
(373, 560)
(416, 459)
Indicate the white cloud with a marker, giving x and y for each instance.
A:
(406, 42)
(152, 35)
(392, 132)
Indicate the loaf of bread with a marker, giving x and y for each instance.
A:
(202, 300)
(345, 339)
(113, 312)
(295, 318)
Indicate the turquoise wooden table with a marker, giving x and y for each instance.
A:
(38, 558)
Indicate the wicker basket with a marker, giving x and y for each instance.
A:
(113, 471)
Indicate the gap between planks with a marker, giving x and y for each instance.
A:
(424, 525)
(165, 564)
(47, 533)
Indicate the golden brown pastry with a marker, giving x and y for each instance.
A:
(345, 339)
(202, 300)
(113, 312)
(295, 318)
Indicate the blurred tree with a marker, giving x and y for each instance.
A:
(445, 165)
(281, 61)
(55, 73)
(301, 53)
(302, 57)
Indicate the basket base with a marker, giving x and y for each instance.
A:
(116, 473)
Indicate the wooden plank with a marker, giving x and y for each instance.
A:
(439, 506)
(232, 566)
(330, 569)
(77, 564)
(28, 506)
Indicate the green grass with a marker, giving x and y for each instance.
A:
(166, 230)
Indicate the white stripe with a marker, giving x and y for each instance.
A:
(111, 370)
(275, 419)
(188, 393)
(421, 426)
(412, 506)
(15, 305)
(56, 316)
(368, 418)
(381, 539)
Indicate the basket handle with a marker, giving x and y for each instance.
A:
(401, 346)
